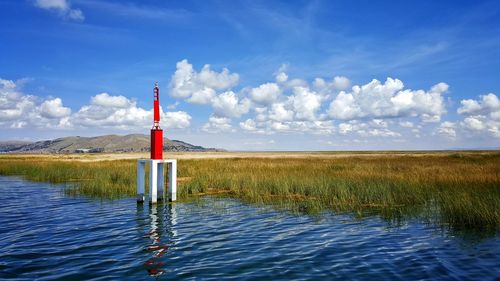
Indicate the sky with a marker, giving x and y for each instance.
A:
(255, 75)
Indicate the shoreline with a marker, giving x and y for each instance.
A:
(91, 157)
(454, 189)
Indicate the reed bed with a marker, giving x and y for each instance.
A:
(459, 190)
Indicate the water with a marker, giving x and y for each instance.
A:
(47, 236)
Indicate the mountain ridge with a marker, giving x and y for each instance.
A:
(97, 144)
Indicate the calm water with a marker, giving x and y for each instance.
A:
(48, 236)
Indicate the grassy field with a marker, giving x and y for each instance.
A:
(456, 189)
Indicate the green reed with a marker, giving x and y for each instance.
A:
(460, 190)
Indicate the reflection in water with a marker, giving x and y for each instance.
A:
(45, 235)
(161, 221)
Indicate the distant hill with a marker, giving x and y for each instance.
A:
(107, 143)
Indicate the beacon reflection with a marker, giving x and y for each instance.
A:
(161, 233)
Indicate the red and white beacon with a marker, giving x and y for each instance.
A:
(156, 131)
(157, 163)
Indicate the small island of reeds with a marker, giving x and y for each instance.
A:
(460, 190)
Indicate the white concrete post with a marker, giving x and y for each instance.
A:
(172, 180)
(161, 181)
(140, 181)
(153, 180)
(157, 180)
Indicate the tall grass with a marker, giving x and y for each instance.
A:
(460, 190)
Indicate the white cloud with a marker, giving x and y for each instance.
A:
(344, 107)
(281, 77)
(447, 129)
(217, 124)
(378, 123)
(173, 105)
(102, 112)
(259, 143)
(62, 7)
(186, 82)
(481, 124)
(373, 128)
(474, 123)
(374, 111)
(176, 120)
(228, 105)
(54, 109)
(488, 105)
(379, 133)
(377, 100)
(265, 93)
(338, 83)
(20, 110)
(345, 128)
(482, 115)
(406, 124)
(52, 4)
(280, 113)
(13, 103)
(249, 125)
(341, 82)
(104, 99)
(204, 96)
(122, 113)
(75, 14)
(305, 103)
(271, 127)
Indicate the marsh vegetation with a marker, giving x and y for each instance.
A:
(455, 189)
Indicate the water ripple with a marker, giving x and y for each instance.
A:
(48, 236)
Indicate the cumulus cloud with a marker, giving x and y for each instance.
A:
(487, 105)
(265, 93)
(338, 83)
(120, 112)
(482, 115)
(374, 128)
(279, 112)
(249, 125)
(176, 120)
(186, 82)
(379, 133)
(281, 77)
(286, 105)
(62, 7)
(447, 129)
(204, 96)
(272, 127)
(228, 105)
(292, 105)
(377, 100)
(13, 104)
(54, 109)
(217, 124)
(406, 124)
(481, 124)
(20, 110)
(105, 100)
(305, 103)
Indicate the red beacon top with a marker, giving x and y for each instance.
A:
(156, 106)
(156, 131)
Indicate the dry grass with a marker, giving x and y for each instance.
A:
(459, 189)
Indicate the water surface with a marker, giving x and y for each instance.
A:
(46, 235)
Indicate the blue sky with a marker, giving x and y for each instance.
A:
(255, 75)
